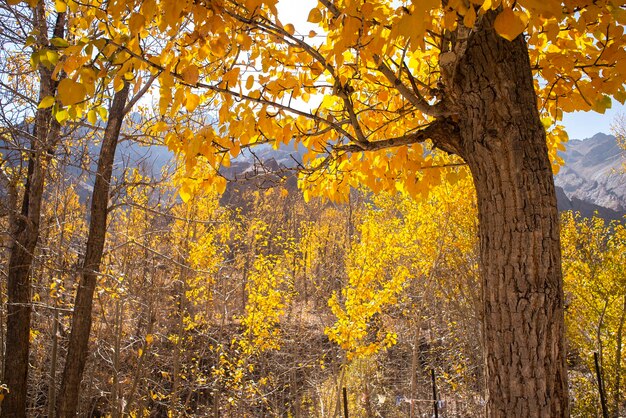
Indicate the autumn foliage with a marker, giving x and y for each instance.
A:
(423, 159)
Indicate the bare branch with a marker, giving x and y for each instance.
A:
(140, 93)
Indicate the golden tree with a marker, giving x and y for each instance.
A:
(480, 79)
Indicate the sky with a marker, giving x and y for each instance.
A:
(578, 125)
(583, 125)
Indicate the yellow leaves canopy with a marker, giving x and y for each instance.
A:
(370, 78)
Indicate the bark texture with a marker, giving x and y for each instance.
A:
(501, 138)
(25, 234)
(67, 404)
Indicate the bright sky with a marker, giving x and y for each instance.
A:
(583, 125)
(579, 125)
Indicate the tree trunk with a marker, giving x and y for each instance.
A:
(618, 362)
(25, 234)
(501, 138)
(77, 352)
(52, 393)
(18, 293)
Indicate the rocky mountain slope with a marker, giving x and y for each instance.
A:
(593, 177)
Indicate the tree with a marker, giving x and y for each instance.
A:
(594, 256)
(392, 78)
(43, 140)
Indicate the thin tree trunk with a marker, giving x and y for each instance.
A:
(11, 206)
(25, 234)
(139, 371)
(414, 360)
(501, 138)
(618, 363)
(77, 352)
(116, 359)
(53, 365)
(52, 382)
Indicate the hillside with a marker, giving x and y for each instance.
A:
(593, 175)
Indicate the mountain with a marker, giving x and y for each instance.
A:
(592, 181)
(586, 209)
(594, 173)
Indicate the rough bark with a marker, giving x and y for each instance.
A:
(25, 234)
(67, 404)
(501, 138)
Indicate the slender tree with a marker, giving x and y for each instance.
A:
(25, 233)
(77, 351)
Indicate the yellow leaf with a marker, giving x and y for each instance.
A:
(59, 42)
(510, 24)
(191, 74)
(470, 17)
(235, 149)
(118, 84)
(104, 114)
(249, 82)
(61, 116)
(191, 102)
(315, 16)
(231, 76)
(149, 339)
(185, 193)
(91, 117)
(46, 102)
(71, 92)
(136, 23)
(449, 20)
(60, 6)
(290, 29)
(220, 185)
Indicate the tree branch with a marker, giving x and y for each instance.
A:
(443, 132)
(413, 97)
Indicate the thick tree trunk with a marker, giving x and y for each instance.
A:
(504, 144)
(77, 353)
